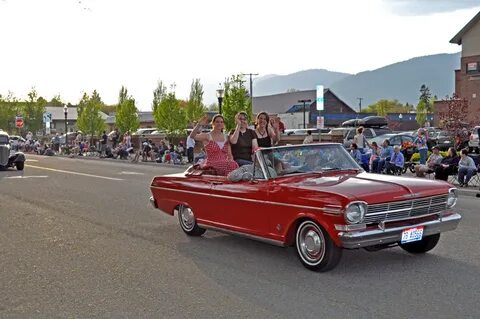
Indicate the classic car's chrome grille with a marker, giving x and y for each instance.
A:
(405, 209)
(4, 154)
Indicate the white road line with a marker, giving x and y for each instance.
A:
(130, 173)
(75, 173)
(22, 177)
(31, 160)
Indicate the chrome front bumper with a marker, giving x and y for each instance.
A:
(372, 237)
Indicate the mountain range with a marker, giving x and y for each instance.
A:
(401, 81)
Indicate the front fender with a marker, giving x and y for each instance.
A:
(18, 157)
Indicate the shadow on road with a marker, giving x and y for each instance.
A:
(365, 283)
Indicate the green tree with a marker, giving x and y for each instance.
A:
(33, 110)
(195, 108)
(158, 95)
(213, 107)
(236, 99)
(126, 118)
(7, 113)
(169, 116)
(425, 105)
(56, 101)
(89, 119)
(383, 107)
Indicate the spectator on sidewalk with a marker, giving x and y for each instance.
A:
(466, 168)
(385, 155)
(103, 144)
(190, 148)
(397, 161)
(432, 162)
(309, 138)
(115, 137)
(447, 165)
(421, 144)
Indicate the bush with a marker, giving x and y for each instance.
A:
(416, 156)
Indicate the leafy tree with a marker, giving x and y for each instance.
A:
(158, 95)
(169, 116)
(236, 99)
(453, 118)
(89, 119)
(425, 105)
(8, 111)
(56, 101)
(126, 118)
(33, 110)
(382, 107)
(195, 108)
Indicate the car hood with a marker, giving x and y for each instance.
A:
(372, 188)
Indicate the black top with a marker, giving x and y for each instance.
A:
(264, 141)
(104, 139)
(243, 148)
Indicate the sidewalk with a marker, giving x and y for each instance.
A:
(463, 191)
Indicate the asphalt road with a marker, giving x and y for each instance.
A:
(78, 239)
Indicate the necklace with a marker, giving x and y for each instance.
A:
(261, 134)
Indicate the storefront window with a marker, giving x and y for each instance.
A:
(472, 67)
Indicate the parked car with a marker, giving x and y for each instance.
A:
(349, 133)
(443, 140)
(9, 157)
(473, 143)
(314, 197)
(145, 131)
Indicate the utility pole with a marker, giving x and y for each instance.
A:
(360, 104)
(251, 84)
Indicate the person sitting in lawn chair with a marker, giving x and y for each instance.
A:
(357, 156)
(396, 163)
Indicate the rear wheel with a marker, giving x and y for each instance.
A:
(421, 246)
(188, 221)
(315, 248)
(20, 165)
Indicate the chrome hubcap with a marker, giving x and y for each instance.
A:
(187, 218)
(311, 243)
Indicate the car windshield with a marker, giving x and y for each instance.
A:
(306, 159)
(3, 139)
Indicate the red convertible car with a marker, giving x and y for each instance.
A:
(315, 197)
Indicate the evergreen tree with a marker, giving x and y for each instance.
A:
(89, 120)
(425, 105)
(158, 95)
(195, 108)
(126, 117)
(236, 99)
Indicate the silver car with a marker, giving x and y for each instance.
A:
(473, 142)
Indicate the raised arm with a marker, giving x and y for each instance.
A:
(234, 137)
(202, 137)
(274, 131)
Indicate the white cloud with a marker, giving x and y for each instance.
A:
(61, 48)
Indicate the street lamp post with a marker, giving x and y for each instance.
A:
(304, 101)
(220, 94)
(65, 111)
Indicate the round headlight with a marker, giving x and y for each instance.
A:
(355, 212)
(452, 197)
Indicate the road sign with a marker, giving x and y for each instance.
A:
(47, 117)
(19, 122)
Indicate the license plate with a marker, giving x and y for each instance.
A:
(412, 234)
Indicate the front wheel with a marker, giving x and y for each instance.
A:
(188, 222)
(315, 248)
(20, 166)
(421, 246)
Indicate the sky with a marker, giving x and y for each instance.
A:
(67, 47)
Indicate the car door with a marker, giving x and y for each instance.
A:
(240, 206)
